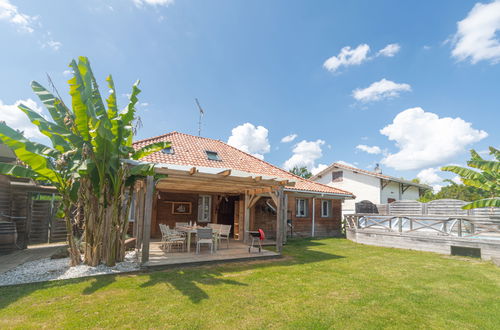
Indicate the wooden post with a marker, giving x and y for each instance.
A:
(140, 216)
(459, 227)
(313, 216)
(246, 219)
(279, 220)
(400, 225)
(285, 217)
(148, 210)
(29, 219)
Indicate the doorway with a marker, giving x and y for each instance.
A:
(225, 214)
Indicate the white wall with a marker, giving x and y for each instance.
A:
(364, 187)
(392, 190)
(411, 193)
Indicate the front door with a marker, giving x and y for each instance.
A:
(225, 214)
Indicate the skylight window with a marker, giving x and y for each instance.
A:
(168, 151)
(212, 155)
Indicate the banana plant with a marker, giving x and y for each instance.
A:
(87, 160)
(487, 178)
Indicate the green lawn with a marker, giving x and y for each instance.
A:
(329, 283)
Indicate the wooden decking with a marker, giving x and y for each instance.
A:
(33, 252)
(237, 251)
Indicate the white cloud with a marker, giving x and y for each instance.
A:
(345, 163)
(424, 139)
(140, 3)
(315, 170)
(371, 150)
(67, 73)
(10, 13)
(383, 89)
(390, 50)
(289, 138)
(16, 119)
(457, 179)
(347, 57)
(476, 37)
(429, 176)
(250, 139)
(55, 45)
(305, 153)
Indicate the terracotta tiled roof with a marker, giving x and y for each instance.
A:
(190, 150)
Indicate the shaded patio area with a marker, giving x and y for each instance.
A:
(237, 251)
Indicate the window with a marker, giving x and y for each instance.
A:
(131, 215)
(212, 155)
(326, 208)
(204, 208)
(337, 176)
(301, 207)
(168, 151)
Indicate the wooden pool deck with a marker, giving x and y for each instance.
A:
(237, 251)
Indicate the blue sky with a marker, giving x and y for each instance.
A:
(264, 63)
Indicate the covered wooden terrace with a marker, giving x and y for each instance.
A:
(181, 179)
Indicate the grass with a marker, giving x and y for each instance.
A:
(329, 283)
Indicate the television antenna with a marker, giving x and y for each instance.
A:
(202, 112)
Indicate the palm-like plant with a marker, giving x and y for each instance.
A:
(86, 163)
(488, 179)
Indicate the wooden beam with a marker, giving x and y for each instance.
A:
(253, 201)
(283, 182)
(274, 196)
(148, 212)
(258, 178)
(225, 173)
(192, 170)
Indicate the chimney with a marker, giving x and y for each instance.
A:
(378, 169)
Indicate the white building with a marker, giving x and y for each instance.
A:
(366, 185)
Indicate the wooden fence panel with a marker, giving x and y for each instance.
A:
(19, 215)
(406, 207)
(41, 214)
(486, 211)
(57, 230)
(5, 198)
(446, 207)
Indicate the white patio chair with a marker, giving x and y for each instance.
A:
(204, 236)
(224, 233)
(171, 238)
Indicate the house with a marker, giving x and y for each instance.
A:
(209, 181)
(367, 185)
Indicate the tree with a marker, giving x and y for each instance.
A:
(301, 171)
(87, 162)
(487, 179)
(454, 191)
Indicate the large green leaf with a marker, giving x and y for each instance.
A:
(487, 202)
(463, 172)
(485, 165)
(58, 111)
(78, 102)
(149, 149)
(495, 152)
(19, 171)
(53, 131)
(112, 106)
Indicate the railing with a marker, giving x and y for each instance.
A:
(453, 225)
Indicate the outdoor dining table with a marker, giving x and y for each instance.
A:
(189, 230)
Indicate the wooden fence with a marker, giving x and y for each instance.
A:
(35, 219)
(412, 207)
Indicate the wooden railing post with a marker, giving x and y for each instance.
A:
(400, 225)
(459, 227)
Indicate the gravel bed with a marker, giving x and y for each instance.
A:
(58, 269)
